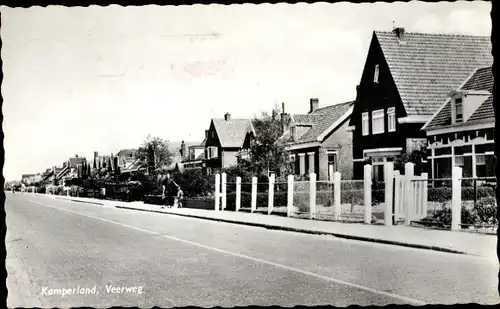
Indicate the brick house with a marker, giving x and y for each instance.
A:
(226, 138)
(461, 132)
(319, 139)
(406, 78)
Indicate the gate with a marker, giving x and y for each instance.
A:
(410, 195)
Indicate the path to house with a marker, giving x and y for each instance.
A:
(415, 237)
(181, 261)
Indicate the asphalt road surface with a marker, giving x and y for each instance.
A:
(100, 256)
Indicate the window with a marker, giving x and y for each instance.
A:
(214, 152)
(212, 134)
(391, 119)
(375, 76)
(459, 161)
(480, 160)
(378, 121)
(365, 124)
(459, 110)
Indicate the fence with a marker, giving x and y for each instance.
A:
(400, 198)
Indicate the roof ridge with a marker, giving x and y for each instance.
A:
(438, 34)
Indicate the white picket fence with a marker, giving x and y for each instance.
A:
(407, 193)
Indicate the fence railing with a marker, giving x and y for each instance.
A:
(400, 197)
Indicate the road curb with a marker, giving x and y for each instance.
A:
(305, 231)
(284, 228)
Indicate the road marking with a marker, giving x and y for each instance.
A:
(297, 270)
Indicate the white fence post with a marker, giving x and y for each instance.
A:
(456, 198)
(368, 193)
(389, 186)
(408, 203)
(254, 194)
(289, 204)
(223, 190)
(397, 196)
(217, 193)
(270, 193)
(238, 193)
(337, 194)
(425, 182)
(312, 195)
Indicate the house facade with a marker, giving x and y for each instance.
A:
(406, 78)
(195, 155)
(226, 138)
(30, 179)
(319, 141)
(461, 132)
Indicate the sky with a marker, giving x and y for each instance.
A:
(79, 80)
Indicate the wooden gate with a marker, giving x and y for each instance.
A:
(410, 195)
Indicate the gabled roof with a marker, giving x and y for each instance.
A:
(232, 133)
(73, 162)
(481, 80)
(126, 153)
(428, 66)
(323, 121)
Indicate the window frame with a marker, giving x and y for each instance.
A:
(376, 74)
(376, 115)
(455, 106)
(391, 119)
(365, 128)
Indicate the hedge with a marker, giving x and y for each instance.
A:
(301, 199)
(483, 213)
(444, 194)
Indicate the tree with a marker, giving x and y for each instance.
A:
(156, 153)
(268, 153)
(417, 157)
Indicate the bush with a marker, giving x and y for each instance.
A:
(443, 216)
(194, 184)
(486, 210)
(483, 213)
(444, 194)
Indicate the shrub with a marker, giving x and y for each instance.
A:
(444, 194)
(193, 183)
(486, 210)
(443, 216)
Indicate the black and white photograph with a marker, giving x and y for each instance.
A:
(249, 154)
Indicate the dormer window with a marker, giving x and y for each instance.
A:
(375, 75)
(459, 114)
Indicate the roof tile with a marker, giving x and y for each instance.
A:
(428, 66)
(232, 133)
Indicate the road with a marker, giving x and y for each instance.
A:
(177, 261)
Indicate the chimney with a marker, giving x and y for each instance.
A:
(294, 133)
(283, 117)
(314, 104)
(227, 117)
(400, 33)
(206, 134)
(183, 150)
(96, 154)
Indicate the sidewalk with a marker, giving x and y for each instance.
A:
(447, 241)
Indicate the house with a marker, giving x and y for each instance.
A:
(195, 155)
(226, 138)
(30, 179)
(406, 78)
(126, 157)
(319, 142)
(461, 132)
